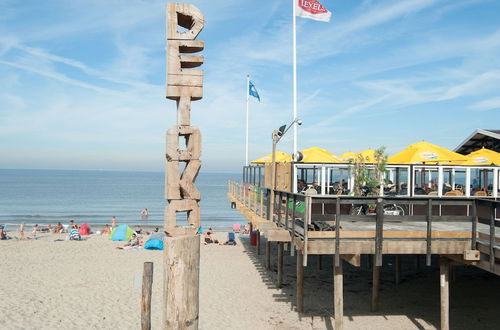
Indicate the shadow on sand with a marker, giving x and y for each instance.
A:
(474, 294)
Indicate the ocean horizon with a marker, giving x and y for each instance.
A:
(40, 196)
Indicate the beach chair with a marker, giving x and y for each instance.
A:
(236, 227)
(231, 239)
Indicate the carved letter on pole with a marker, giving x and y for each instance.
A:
(184, 85)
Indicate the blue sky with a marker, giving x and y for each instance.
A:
(82, 83)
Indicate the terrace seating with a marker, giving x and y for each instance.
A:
(480, 193)
(454, 193)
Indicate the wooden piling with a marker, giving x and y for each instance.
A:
(397, 269)
(319, 262)
(375, 288)
(182, 274)
(300, 281)
(147, 288)
(444, 273)
(258, 242)
(280, 264)
(338, 295)
(268, 255)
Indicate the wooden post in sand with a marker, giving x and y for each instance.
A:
(444, 285)
(300, 281)
(147, 286)
(258, 242)
(375, 287)
(338, 294)
(182, 269)
(397, 269)
(268, 254)
(280, 264)
(182, 246)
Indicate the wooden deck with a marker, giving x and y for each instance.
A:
(460, 230)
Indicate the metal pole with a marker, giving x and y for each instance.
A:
(294, 38)
(246, 144)
(273, 181)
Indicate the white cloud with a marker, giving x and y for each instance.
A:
(489, 104)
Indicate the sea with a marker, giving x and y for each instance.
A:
(93, 196)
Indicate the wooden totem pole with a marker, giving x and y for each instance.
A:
(182, 248)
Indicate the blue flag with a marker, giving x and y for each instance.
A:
(253, 91)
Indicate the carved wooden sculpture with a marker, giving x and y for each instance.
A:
(184, 85)
(182, 247)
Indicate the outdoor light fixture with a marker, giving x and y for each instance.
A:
(277, 135)
(280, 132)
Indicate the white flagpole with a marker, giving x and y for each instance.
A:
(294, 38)
(246, 144)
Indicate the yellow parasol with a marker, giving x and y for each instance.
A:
(368, 155)
(280, 157)
(318, 155)
(482, 157)
(426, 153)
(348, 156)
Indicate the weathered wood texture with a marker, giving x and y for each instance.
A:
(183, 151)
(280, 264)
(182, 269)
(338, 295)
(444, 273)
(184, 85)
(147, 287)
(375, 288)
(300, 282)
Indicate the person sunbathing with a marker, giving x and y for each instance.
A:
(209, 238)
(133, 241)
(58, 228)
(46, 229)
(106, 230)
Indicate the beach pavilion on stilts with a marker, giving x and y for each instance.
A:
(447, 206)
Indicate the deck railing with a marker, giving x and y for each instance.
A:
(303, 215)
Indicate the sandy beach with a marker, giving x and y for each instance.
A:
(47, 284)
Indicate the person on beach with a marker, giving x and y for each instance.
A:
(139, 231)
(209, 238)
(74, 234)
(144, 214)
(34, 230)
(113, 222)
(21, 230)
(106, 230)
(133, 241)
(58, 228)
(71, 223)
(47, 228)
(3, 234)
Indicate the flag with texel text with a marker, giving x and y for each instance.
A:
(312, 9)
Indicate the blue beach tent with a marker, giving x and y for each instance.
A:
(155, 242)
(121, 233)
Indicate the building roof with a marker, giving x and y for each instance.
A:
(488, 138)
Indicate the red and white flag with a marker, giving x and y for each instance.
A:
(312, 9)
